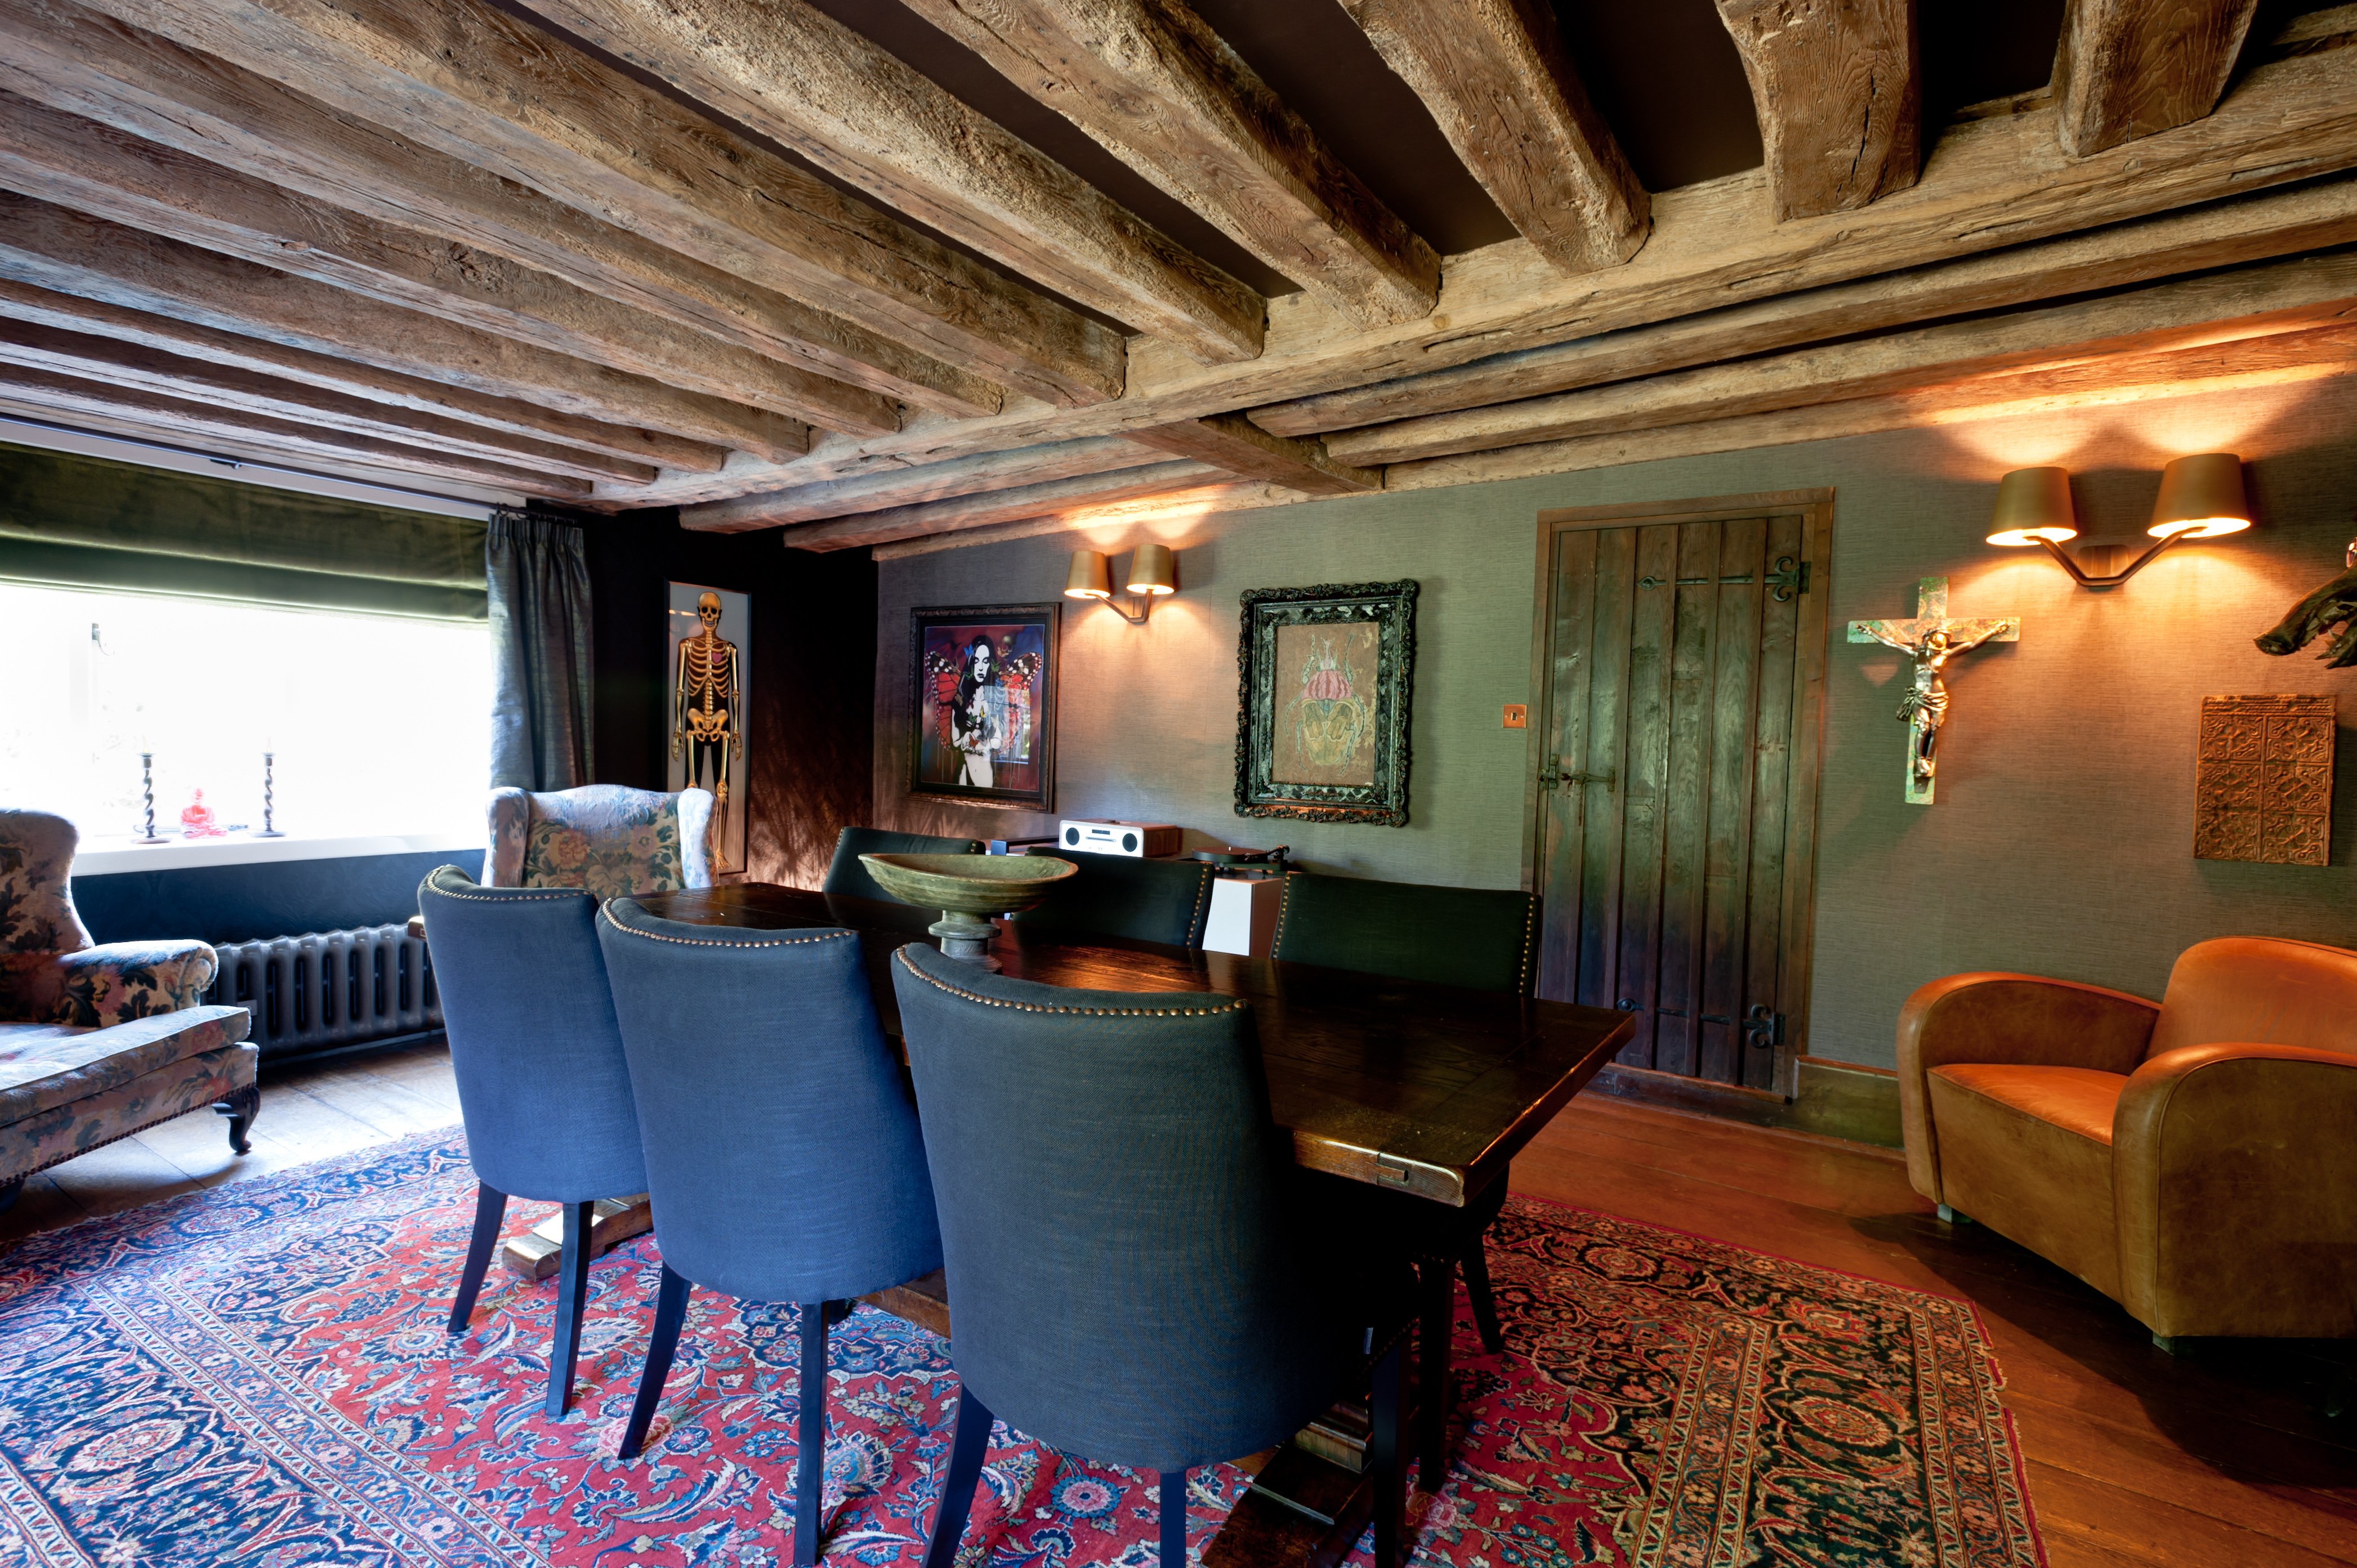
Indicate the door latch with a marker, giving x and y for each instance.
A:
(1552, 776)
(1763, 1030)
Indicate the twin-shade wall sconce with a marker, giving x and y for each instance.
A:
(1153, 572)
(2201, 498)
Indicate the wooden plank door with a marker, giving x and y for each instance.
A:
(1680, 661)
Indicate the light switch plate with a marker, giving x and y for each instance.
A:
(1517, 715)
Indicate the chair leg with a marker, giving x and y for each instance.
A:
(1485, 1301)
(490, 1207)
(957, 1487)
(572, 1299)
(1174, 1518)
(240, 1106)
(1437, 1285)
(1391, 1480)
(670, 1310)
(810, 1457)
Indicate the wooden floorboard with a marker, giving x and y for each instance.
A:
(2137, 1457)
(2215, 1456)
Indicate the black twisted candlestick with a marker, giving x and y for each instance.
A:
(147, 796)
(269, 798)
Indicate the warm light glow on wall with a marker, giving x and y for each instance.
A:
(2156, 420)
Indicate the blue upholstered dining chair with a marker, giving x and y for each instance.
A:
(1132, 1275)
(1476, 937)
(542, 1082)
(1165, 901)
(782, 1154)
(844, 873)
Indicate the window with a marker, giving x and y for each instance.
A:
(380, 724)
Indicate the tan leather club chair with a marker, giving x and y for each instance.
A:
(2195, 1161)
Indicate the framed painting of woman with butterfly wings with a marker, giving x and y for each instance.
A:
(982, 702)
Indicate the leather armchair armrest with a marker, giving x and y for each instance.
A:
(2234, 1177)
(2016, 1019)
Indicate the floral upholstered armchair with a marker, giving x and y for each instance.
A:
(606, 839)
(97, 1043)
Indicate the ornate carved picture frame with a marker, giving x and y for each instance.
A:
(981, 704)
(1324, 678)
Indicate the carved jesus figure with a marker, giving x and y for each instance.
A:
(1925, 707)
(704, 698)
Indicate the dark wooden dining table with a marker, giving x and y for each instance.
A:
(1425, 1090)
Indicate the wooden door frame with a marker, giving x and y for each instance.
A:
(1816, 510)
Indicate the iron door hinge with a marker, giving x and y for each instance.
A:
(1763, 1030)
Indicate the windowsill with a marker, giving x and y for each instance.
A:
(116, 853)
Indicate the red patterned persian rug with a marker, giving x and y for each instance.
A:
(259, 1376)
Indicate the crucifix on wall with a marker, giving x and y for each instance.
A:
(1930, 640)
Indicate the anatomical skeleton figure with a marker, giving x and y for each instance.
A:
(703, 696)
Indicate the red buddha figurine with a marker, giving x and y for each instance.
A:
(196, 820)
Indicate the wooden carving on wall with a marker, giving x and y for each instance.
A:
(2263, 783)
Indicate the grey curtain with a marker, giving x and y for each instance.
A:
(539, 578)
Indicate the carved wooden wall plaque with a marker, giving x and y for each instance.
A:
(2263, 783)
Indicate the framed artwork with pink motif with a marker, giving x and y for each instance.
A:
(1325, 675)
(983, 704)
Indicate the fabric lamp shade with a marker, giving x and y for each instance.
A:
(1152, 571)
(1089, 579)
(2033, 504)
(2201, 498)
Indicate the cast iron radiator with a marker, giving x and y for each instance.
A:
(330, 990)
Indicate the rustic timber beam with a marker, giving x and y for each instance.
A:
(71, 253)
(38, 347)
(95, 169)
(1242, 495)
(1990, 184)
(71, 395)
(487, 417)
(997, 506)
(1161, 92)
(796, 75)
(1231, 442)
(908, 486)
(1500, 83)
(2128, 69)
(482, 87)
(2285, 296)
(79, 61)
(1838, 88)
(2283, 358)
(2308, 218)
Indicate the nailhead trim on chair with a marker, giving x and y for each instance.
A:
(606, 915)
(1530, 920)
(1090, 1012)
(1283, 908)
(1195, 921)
(512, 895)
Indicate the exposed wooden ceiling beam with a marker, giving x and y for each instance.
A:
(491, 90)
(2276, 360)
(2305, 218)
(2287, 296)
(1234, 443)
(95, 169)
(907, 486)
(334, 377)
(999, 506)
(1498, 81)
(1990, 183)
(1839, 93)
(79, 61)
(71, 253)
(796, 75)
(70, 396)
(1236, 495)
(1167, 95)
(42, 347)
(2128, 69)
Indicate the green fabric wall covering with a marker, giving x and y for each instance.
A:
(87, 523)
